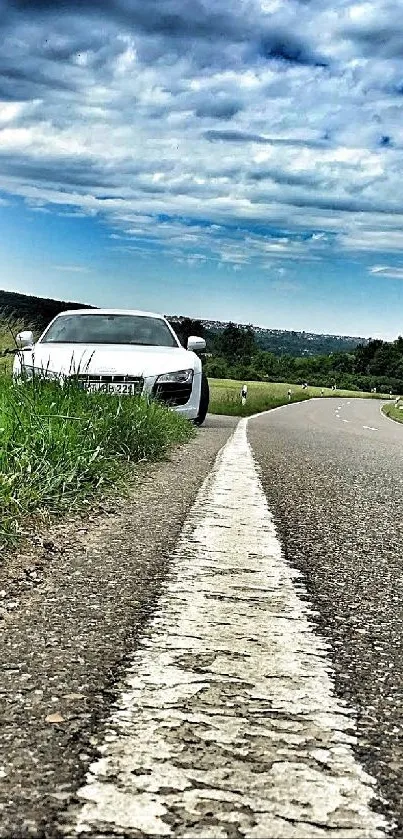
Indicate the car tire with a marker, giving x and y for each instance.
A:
(204, 401)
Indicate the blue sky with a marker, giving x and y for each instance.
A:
(225, 159)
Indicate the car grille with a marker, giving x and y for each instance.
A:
(173, 393)
(110, 378)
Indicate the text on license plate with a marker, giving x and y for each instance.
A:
(123, 388)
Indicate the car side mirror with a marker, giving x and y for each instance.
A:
(196, 344)
(25, 339)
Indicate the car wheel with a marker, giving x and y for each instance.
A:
(204, 400)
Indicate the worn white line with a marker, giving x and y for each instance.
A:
(228, 722)
(370, 428)
(385, 416)
(344, 420)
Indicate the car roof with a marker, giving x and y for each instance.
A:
(111, 312)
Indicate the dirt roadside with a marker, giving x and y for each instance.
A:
(73, 607)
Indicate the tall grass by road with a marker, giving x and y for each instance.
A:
(59, 445)
(9, 327)
(262, 396)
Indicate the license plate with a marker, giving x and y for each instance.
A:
(120, 388)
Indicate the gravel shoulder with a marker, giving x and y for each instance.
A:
(73, 606)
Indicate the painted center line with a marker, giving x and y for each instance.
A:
(370, 428)
(228, 722)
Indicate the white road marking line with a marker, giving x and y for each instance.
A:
(229, 718)
(370, 428)
(344, 420)
(386, 418)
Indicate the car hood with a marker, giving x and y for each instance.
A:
(113, 359)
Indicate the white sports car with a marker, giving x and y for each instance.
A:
(122, 352)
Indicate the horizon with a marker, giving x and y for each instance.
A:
(230, 161)
(203, 319)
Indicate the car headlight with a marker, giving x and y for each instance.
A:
(42, 373)
(178, 377)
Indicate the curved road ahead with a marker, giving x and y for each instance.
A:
(221, 655)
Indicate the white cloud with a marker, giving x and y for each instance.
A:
(373, 240)
(9, 111)
(259, 116)
(390, 272)
(73, 269)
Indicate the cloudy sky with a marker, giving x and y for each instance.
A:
(229, 159)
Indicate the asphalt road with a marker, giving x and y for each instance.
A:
(333, 477)
(163, 672)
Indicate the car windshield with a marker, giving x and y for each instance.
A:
(109, 329)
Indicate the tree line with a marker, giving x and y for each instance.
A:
(234, 353)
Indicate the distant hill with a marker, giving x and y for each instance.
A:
(39, 311)
(36, 312)
(287, 342)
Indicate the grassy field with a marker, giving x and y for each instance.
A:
(9, 327)
(394, 412)
(60, 446)
(225, 396)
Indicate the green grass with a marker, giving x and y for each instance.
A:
(262, 396)
(8, 330)
(9, 327)
(393, 412)
(59, 446)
